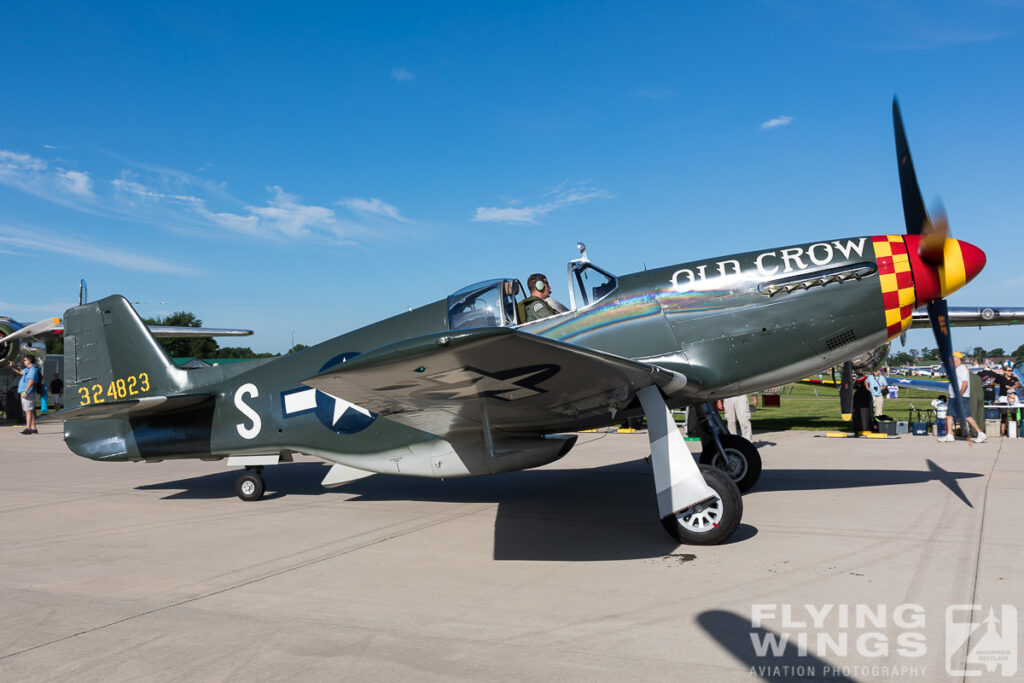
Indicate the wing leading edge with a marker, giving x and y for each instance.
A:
(497, 378)
(984, 316)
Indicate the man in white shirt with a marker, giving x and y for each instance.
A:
(876, 384)
(953, 412)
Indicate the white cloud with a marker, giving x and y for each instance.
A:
(75, 182)
(131, 192)
(283, 216)
(176, 200)
(562, 196)
(373, 207)
(400, 73)
(494, 214)
(66, 245)
(33, 175)
(777, 122)
(248, 224)
(13, 162)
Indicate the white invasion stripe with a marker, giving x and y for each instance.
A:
(299, 401)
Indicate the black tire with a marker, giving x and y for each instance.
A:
(250, 486)
(711, 522)
(744, 461)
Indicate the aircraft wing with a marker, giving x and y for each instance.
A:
(45, 327)
(964, 316)
(926, 384)
(908, 382)
(814, 381)
(509, 380)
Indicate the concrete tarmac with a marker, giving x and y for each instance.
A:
(856, 547)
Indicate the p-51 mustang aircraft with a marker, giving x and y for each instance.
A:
(464, 386)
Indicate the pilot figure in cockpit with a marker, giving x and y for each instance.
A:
(540, 304)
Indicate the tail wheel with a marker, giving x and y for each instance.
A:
(712, 521)
(250, 486)
(741, 461)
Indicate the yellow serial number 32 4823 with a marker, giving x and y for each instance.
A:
(123, 387)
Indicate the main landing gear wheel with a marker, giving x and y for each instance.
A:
(250, 485)
(712, 521)
(741, 460)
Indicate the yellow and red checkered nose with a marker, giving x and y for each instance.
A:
(896, 278)
(908, 282)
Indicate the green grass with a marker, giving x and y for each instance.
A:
(816, 408)
(802, 409)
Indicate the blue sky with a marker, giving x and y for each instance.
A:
(296, 167)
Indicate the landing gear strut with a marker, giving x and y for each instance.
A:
(730, 453)
(697, 504)
(250, 484)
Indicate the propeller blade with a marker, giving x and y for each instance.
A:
(932, 248)
(938, 313)
(933, 239)
(35, 329)
(846, 392)
(914, 213)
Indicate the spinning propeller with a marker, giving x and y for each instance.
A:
(939, 265)
(935, 249)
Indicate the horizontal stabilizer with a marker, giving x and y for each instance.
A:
(185, 332)
(136, 407)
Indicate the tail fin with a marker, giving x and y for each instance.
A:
(110, 355)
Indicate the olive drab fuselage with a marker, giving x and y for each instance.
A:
(728, 325)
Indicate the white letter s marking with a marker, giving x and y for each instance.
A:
(247, 391)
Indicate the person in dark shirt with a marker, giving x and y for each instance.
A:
(1009, 384)
(57, 391)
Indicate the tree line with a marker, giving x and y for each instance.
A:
(927, 356)
(188, 347)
